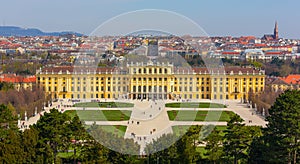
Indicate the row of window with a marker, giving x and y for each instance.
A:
(153, 89)
(150, 70)
(185, 96)
(92, 89)
(155, 79)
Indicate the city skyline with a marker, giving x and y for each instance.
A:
(217, 18)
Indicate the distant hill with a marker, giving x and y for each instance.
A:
(18, 31)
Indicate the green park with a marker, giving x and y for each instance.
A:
(100, 115)
(104, 105)
(194, 115)
(195, 105)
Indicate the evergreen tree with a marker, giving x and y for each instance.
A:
(78, 134)
(238, 138)
(10, 141)
(214, 144)
(54, 134)
(282, 135)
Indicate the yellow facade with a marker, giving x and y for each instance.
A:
(283, 87)
(159, 81)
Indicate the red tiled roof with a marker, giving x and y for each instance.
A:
(12, 78)
(260, 45)
(230, 53)
(273, 53)
(292, 79)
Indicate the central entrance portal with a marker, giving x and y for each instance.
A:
(154, 96)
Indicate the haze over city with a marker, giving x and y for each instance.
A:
(217, 18)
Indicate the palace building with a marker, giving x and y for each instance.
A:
(150, 81)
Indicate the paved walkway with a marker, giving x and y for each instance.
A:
(249, 115)
(148, 121)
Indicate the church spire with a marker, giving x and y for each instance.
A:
(275, 35)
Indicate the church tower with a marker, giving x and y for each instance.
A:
(275, 35)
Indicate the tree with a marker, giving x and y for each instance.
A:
(29, 143)
(162, 150)
(257, 64)
(4, 86)
(11, 148)
(115, 143)
(10, 141)
(54, 134)
(79, 134)
(186, 146)
(93, 152)
(238, 138)
(282, 135)
(8, 121)
(234, 146)
(214, 144)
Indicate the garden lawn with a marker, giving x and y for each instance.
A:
(195, 105)
(189, 115)
(118, 130)
(100, 115)
(105, 105)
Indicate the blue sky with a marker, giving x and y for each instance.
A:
(216, 17)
